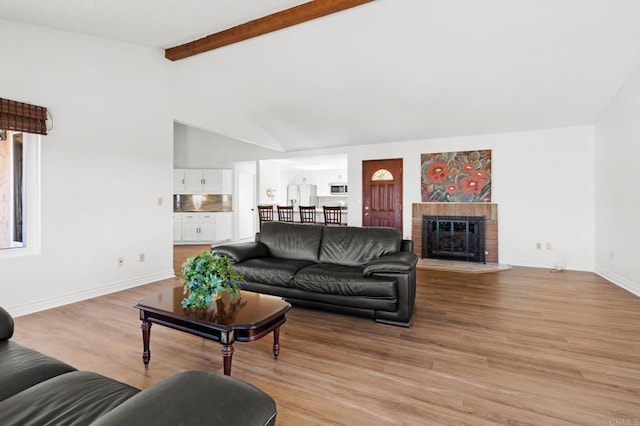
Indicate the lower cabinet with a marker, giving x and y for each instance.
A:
(198, 227)
(223, 226)
(201, 227)
(177, 227)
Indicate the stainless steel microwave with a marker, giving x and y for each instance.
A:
(338, 188)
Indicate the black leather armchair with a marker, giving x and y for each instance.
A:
(37, 389)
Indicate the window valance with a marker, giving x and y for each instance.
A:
(21, 117)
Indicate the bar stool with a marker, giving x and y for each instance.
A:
(265, 213)
(285, 213)
(332, 215)
(307, 214)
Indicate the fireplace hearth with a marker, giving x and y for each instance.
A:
(454, 238)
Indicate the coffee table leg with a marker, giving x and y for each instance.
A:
(276, 342)
(227, 355)
(146, 336)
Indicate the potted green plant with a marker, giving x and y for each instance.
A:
(206, 276)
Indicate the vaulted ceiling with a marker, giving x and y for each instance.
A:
(388, 70)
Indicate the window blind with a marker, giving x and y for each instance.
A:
(21, 117)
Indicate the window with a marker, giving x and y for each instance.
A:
(382, 174)
(20, 125)
(19, 192)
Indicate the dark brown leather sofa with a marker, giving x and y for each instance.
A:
(365, 271)
(39, 390)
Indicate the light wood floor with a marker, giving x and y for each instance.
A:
(182, 252)
(522, 346)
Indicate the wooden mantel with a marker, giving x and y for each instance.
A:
(488, 210)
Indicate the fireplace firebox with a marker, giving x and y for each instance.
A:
(454, 238)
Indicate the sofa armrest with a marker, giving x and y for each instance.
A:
(401, 262)
(241, 251)
(6, 325)
(195, 398)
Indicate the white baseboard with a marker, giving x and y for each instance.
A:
(54, 302)
(619, 281)
(551, 265)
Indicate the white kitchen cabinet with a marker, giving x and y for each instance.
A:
(193, 182)
(217, 181)
(207, 230)
(190, 227)
(304, 178)
(177, 227)
(223, 226)
(198, 227)
(178, 181)
(202, 181)
(201, 227)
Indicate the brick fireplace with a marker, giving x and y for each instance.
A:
(487, 210)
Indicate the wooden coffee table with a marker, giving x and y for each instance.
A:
(248, 317)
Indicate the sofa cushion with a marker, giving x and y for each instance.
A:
(355, 246)
(291, 241)
(270, 270)
(233, 403)
(344, 281)
(356, 305)
(79, 397)
(22, 368)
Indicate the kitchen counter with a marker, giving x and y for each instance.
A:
(342, 209)
(319, 215)
(203, 211)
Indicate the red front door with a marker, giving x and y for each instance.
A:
(382, 193)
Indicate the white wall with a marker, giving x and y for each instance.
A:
(110, 154)
(200, 149)
(270, 176)
(617, 198)
(105, 163)
(542, 182)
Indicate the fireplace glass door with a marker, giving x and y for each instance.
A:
(453, 238)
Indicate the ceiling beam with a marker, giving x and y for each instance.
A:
(276, 21)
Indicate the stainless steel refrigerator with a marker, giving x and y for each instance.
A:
(302, 195)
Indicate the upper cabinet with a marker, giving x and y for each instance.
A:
(198, 181)
(326, 178)
(217, 181)
(194, 182)
(178, 181)
(304, 178)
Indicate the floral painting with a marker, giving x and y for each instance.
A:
(463, 176)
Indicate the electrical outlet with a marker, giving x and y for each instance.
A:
(160, 201)
(611, 255)
(120, 261)
(141, 257)
(548, 246)
(538, 246)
